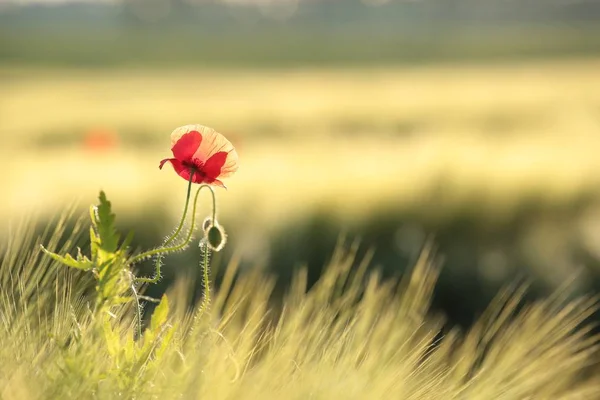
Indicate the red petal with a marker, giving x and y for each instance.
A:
(187, 145)
(212, 167)
(231, 166)
(184, 171)
(217, 182)
(212, 143)
(164, 161)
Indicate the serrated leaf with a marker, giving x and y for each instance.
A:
(159, 316)
(94, 241)
(105, 226)
(165, 342)
(69, 261)
(83, 260)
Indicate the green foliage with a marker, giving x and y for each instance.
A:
(160, 314)
(82, 262)
(109, 264)
(108, 260)
(103, 235)
(133, 362)
(352, 336)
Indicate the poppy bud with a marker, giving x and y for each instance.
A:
(207, 223)
(214, 236)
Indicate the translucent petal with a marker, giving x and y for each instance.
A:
(187, 144)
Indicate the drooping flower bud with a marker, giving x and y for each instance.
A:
(207, 223)
(215, 237)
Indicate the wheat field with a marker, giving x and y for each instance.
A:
(350, 140)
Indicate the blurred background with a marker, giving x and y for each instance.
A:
(476, 122)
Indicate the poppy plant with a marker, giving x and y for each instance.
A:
(203, 152)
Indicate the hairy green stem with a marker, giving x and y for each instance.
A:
(163, 250)
(205, 277)
(150, 253)
(138, 308)
(185, 208)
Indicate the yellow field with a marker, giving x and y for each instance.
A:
(348, 139)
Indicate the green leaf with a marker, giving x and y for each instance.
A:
(83, 260)
(94, 241)
(164, 342)
(81, 263)
(159, 316)
(112, 339)
(104, 222)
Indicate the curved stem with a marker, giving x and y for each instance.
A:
(185, 208)
(146, 254)
(162, 250)
(214, 203)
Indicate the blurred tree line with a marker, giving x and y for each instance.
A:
(290, 32)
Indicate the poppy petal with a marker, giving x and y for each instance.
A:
(187, 144)
(164, 161)
(212, 167)
(213, 155)
(231, 164)
(212, 142)
(217, 182)
(184, 171)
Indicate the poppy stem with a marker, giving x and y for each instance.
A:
(205, 249)
(185, 208)
(141, 256)
(163, 250)
(204, 264)
(138, 309)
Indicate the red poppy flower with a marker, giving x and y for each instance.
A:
(204, 151)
